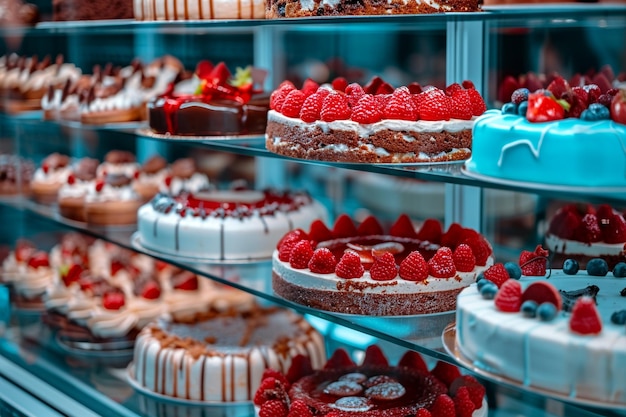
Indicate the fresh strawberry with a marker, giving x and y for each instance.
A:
(559, 87)
(453, 88)
(309, 87)
(185, 281)
(422, 412)
(452, 237)
(480, 247)
(340, 84)
(463, 404)
(271, 388)
(403, 227)
(340, 359)
(534, 263)
(478, 103)
(370, 226)
(203, 69)
(615, 230)
(400, 106)
(366, 110)
(293, 103)
(319, 232)
(273, 408)
(278, 96)
(430, 231)
(335, 107)
(300, 367)
(344, 227)
(301, 254)
(543, 292)
(374, 356)
(414, 88)
(565, 223)
(299, 409)
(384, 268)
(372, 85)
(497, 274)
(461, 105)
(585, 317)
(384, 88)
(542, 108)
(349, 266)
(589, 230)
(99, 185)
(464, 260)
(323, 261)
(71, 179)
(219, 74)
(508, 85)
(434, 105)
(39, 260)
(445, 372)
(71, 274)
(443, 407)
(413, 360)
(509, 297)
(151, 291)
(414, 267)
(474, 388)
(441, 265)
(113, 300)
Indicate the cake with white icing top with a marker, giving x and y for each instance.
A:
(224, 225)
(198, 10)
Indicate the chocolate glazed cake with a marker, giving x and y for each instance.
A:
(92, 10)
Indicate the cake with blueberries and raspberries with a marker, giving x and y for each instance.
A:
(562, 331)
(561, 136)
(212, 103)
(583, 232)
(373, 388)
(367, 270)
(374, 123)
(224, 225)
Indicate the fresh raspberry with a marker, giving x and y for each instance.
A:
(497, 274)
(581, 94)
(286, 244)
(71, 274)
(481, 249)
(520, 95)
(478, 104)
(533, 264)
(413, 360)
(279, 376)
(593, 93)
(366, 110)
(558, 87)
(434, 105)
(543, 292)
(614, 231)
(278, 96)
(565, 223)
(311, 108)
(319, 232)
(293, 103)
(589, 230)
(509, 297)
(335, 107)
(585, 317)
(414, 88)
(344, 227)
(151, 291)
(400, 106)
(113, 300)
(430, 231)
(422, 412)
(375, 357)
(309, 87)
(39, 259)
(467, 84)
(301, 254)
(463, 404)
(323, 261)
(414, 267)
(441, 265)
(443, 407)
(354, 92)
(403, 227)
(273, 408)
(445, 372)
(370, 226)
(271, 388)
(71, 179)
(475, 389)
(464, 260)
(605, 100)
(508, 85)
(299, 409)
(453, 88)
(340, 84)
(453, 235)
(461, 105)
(340, 359)
(299, 368)
(349, 266)
(381, 100)
(384, 268)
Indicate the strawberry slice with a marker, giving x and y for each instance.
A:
(452, 237)
(370, 226)
(542, 292)
(344, 227)
(413, 360)
(509, 297)
(204, 69)
(151, 291)
(319, 232)
(186, 281)
(542, 108)
(403, 227)
(339, 359)
(430, 231)
(71, 274)
(374, 356)
(585, 317)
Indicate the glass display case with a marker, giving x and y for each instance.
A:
(484, 47)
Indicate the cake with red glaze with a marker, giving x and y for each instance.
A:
(373, 389)
(212, 103)
(583, 232)
(367, 270)
(374, 123)
(224, 225)
(198, 10)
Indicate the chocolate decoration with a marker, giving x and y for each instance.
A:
(86, 169)
(184, 168)
(56, 160)
(154, 165)
(119, 157)
(118, 180)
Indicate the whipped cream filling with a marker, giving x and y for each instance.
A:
(77, 190)
(195, 183)
(127, 169)
(110, 193)
(574, 247)
(27, 281)
(154, 179)
(53, 176)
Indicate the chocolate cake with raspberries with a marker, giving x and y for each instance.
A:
(373, 389)
(367, 270)
(374, 123)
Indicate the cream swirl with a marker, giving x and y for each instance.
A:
(110, 193)
(195, 183)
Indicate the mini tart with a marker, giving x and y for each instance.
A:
(49, 178)
(112, 201)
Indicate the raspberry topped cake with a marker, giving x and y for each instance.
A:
(564, 135)
(367, 270)
(373, 389)
(583, 232)
(374, 123)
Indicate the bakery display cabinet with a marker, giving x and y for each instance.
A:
(496, 49)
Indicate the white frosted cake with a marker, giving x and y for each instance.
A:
(198, 10)
(224, 225)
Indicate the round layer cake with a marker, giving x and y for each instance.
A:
(551, 354)
(198, 10)
(370, 271)
(224, 225)
(222, 357)
(372, 124)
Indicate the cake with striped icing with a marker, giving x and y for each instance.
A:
(198, 9)
(224, 225)
(221, 357)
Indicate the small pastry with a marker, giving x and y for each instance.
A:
(71, 197)
(184, 176)
(15, 175)
(150, 175)
(49, 178)
(118, 162)
(112, 201)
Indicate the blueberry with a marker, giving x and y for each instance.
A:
(489, 290)
(595, 111)
(480, 276)
(522, 108)
(619, 270)
(619, 317)
(529, 308)
(597, 267)
(509, 108)
(546, 311)
(520, 95)
(513, 269)
(570, 267)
